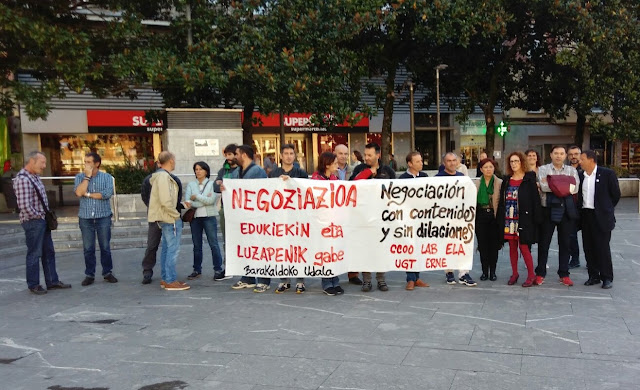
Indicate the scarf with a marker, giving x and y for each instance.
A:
(485, 191)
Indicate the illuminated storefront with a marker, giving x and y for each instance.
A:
(119, 136)
(309, 141)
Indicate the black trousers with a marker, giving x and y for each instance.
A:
(596, 245)
(488, 235)
(565, 227)
(154, 236)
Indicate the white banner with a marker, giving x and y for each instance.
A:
(314, 228)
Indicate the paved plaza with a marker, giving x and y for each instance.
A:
(133, 336)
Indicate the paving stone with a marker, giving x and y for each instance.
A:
(464, 360)
(362, 376)
(279, 371)
(589, 369)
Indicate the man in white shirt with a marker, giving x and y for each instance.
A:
(599, 194)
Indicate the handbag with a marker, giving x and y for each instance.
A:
(191, 213)
(50, 216)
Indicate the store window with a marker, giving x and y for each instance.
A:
(375, 138)
(328, 142)
(68, 151)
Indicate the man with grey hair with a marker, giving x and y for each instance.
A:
(162, 210)
(33, 204)
(450, 163)
(344, 169)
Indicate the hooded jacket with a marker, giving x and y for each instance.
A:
(163, 199)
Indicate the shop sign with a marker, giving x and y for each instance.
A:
(473, 127)
(206, 147)
(301, 123)
(115, 121)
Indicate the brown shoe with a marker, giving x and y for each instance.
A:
(163, 284)
(420, 283)
(176, 286)
(410, 285)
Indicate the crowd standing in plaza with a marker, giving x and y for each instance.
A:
(523, 208)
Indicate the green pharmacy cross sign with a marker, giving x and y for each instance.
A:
(502, 129)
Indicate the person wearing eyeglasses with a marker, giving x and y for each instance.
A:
(520, 213)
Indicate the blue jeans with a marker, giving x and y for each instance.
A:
(209, 225)
(39, 249)
(91, 228)
(330, 282)
(171, 234)
(413, 276)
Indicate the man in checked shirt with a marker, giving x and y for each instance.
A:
(39, 243)
(95, 188)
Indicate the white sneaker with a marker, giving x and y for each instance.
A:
(240, 285)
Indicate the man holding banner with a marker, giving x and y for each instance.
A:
(414, 170)
(286, 171)
(450, 163)
(247, 169)
(373, 169)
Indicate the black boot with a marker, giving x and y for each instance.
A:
(492, 274)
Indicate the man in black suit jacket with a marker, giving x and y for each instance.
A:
(598, 196)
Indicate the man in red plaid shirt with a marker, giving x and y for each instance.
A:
(32, 211)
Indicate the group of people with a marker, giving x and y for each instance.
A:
(532, 201)
(522, 208)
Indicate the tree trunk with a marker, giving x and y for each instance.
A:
(247, 124)
(490, 121)
(580, 126)
(387, 119)
(281, 128)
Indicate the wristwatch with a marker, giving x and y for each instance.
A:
(87, 194)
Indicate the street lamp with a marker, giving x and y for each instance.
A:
(438, 69)
(412, 126)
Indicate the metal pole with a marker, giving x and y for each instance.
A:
(116, 214)
(439, 150)
(411, 119)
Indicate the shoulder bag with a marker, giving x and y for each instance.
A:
(191, 213)
(49, 215)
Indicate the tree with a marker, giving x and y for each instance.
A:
(408, 36)
(68, 45)
(491, 69)
(274, 56)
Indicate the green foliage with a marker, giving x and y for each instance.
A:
(621, 173)
(128, 177)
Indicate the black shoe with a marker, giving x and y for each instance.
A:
(38, 290)
(493, 277)
(366, 286)
(574, 264)
(339, 290)
(484, 277)
(87, 281)
(355, 280)
(219, 276)
(330, 291)
(592, 282)
(194, 275)
(110, 278)
(607, 284)
(58, 285)
(382, 286)
(146, 279)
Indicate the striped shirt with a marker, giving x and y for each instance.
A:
(28, 202)
(96, 208)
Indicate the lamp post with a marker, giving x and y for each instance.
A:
(412, 126)
(438, 69)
